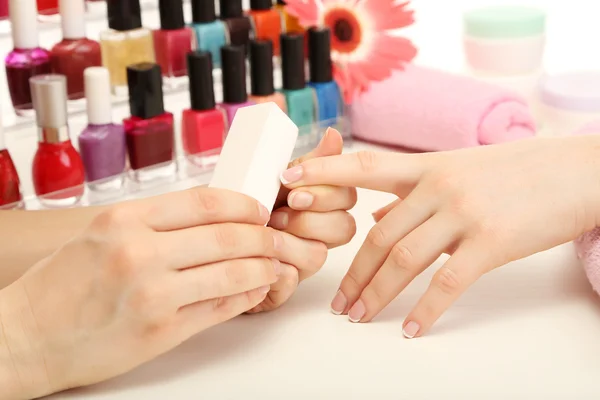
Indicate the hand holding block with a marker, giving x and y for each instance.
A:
(257, 150)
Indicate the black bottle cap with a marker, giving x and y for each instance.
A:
(145, 90)
(261, 68)
(124, 15)
(171, 14)
(202, 93)
(292, 61)
(231, 9)
(203, 11)
(233, 70)
(261, 4)
(319, 55)
(281, 2)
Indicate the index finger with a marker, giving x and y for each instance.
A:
(200, 206)
(388, 172)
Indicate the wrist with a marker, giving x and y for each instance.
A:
(22, 367)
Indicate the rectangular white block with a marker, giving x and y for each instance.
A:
(257, 150)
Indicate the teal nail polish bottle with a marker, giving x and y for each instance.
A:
(210, 33)
(300, 99)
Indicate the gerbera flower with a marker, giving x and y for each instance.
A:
(363, 49)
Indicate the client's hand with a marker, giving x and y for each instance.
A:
(314, 215)
(485, 206)
(142, 278)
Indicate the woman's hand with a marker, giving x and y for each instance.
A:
(315, 215)
(142, 278)
(485, 206)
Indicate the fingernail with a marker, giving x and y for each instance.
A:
(276, 240)
(325, 135)
(291, 175)
(357, 311)
(276, 266)
(339, 302)
(264, 289)
(263, 212)
(410, 330)
(300, 200)
(279, 220)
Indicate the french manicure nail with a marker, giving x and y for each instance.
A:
(264, 289)
(291, 175)
(276, 266)
(410, 330)
(357, 311)
(339, 303)
(301, 200)
(279, 220)
(276, 240)
(263, 212)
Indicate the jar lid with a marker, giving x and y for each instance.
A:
(576, 91)
(501, 22)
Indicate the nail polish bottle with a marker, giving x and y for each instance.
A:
(173, 40)
(239, 26)
(102, 143)
(57, 171)
(3, 9)
(75, 52)
(10, 185)
(27, 59)
(235, 93)
(47, 7)
(328, 95)
(211, 34)
(267, 22)
(126, 42)
(203, 125)
(290, 22)
(261, 74)
(149, 131)
(299, 98)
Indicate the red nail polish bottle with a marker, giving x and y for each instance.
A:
(3, 9)
(10, 186)
(149, 131)
(173, 40)
(58, 172)
(75, 52)
(267, 22)
(203, 125)
(47, 7)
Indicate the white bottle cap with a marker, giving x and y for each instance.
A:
(97, 93)
(24, 23)
(72, 14)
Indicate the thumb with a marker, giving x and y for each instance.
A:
(382, 212)
(331, 144)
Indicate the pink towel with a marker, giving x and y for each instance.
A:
(429, 110)
(588, 245)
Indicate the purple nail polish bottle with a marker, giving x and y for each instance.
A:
(101, 144)
(235, 92)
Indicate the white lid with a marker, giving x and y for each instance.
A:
(72, 14)
(97, 93)
(24, 23)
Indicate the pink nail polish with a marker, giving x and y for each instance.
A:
(339, 303)
(279, 220)
(291, 175)
(300, 200)
(410, 330)
(357, 312)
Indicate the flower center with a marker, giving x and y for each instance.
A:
(345, 28)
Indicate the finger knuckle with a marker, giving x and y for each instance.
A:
(351, 229)
(227, 237)
(235, 274)
(208, 204)
(318, 255)
(145, 300)
(113, 219)
(125, 260)
(351, 283)
(402, 259)
(353, 196)
(377, 237)
(447, 282)
(221, 305)
(367, 160)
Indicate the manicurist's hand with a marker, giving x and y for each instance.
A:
(312, 219)
(143, 277)
(485, 206)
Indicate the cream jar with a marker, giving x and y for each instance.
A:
(570, 101)
(504, 40)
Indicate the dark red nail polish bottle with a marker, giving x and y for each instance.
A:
(27, 59)
(203, 125)
(75, 53)
(239, 26)
(149, 131)
(173, 40)
(10, 185)
(58, 172)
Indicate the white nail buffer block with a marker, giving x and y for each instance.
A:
(257, 150)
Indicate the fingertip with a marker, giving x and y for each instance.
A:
(411, 329)
(292, 175)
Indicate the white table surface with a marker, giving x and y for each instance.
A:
(530, 330)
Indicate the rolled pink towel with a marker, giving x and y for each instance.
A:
(429, 110)
(588, 245)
